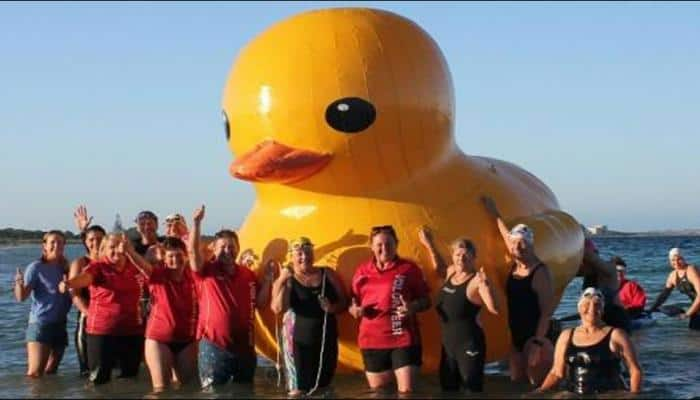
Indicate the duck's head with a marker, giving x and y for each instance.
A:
(345, 100)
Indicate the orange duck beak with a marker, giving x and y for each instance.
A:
(272, 162)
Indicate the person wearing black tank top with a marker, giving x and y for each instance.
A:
(459, 303)
(589, 356)
(309, 297)
(686, 279)
(530, 299)
(91, 236)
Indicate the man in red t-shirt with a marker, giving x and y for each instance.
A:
(630, 293)
(228, 296)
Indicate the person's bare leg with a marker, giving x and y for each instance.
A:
(159, 360)
(379, 380)
(186, 364)
(37, 358)
(405, 377)
(55, 357)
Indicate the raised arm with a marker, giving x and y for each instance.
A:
(491, 208)
(281, 290)
(542, 285)
(76, 268)
(556, 374)
(426, 239)
(193, 249)
(81, 219)
(624, 347)
(486, 293)
(139, 262)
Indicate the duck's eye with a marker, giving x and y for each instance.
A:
(227, 129)
(350, 114)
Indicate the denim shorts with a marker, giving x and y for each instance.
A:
(218, 366)
(52, 334)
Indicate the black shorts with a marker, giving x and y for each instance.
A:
(177, 347)
(381, 360)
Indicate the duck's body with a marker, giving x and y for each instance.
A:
(332, 183)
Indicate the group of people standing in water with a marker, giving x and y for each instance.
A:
(188, 308)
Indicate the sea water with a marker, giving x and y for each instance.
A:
(668, 351)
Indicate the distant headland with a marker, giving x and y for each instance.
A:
(12, 236)
(603, 231)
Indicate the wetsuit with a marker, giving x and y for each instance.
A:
(684, 286)
(523, 308)
(463, 342)
(303, 333)
(594, 368)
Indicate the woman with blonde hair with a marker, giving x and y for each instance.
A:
(46, 331)
(115, 325)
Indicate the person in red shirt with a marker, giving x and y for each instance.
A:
(114, 324)
(228, 296)
(171, 349)
(387, 292)
(630, 293)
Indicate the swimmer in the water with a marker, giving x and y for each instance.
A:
(630, 293)
(588, 356)
(686, 278)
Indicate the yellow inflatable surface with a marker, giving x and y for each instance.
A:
(343, 119)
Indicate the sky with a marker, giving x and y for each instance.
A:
(117, 105)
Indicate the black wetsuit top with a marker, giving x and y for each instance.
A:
(457, 316)
(684, 286)
(308, 324)
(463, 342)
(308, 332)
(593, 368)
(523, 308)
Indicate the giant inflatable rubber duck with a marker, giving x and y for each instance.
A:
(343, 119)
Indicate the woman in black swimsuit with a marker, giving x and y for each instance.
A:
(589, 356)
(459, 302)
(530, 302)
(91, 236)
(686, 278)
(309, 297)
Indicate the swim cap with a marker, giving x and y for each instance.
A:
(300, 242)
(674, 252)
(589, 293)
(524, 232)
